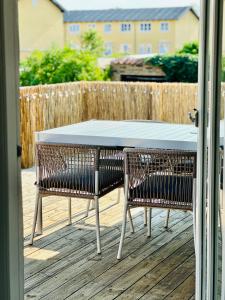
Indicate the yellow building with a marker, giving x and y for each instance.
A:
(40, 25)
(135, 31)
(44, 23)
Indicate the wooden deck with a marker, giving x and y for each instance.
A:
(63, 264)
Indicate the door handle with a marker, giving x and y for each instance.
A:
(19, 151)
(194, 117)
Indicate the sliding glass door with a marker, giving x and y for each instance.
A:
(209, 204)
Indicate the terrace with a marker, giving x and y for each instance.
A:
(63, 262)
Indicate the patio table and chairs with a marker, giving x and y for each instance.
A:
(86, 160)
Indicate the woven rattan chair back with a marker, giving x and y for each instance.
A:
(71, 169)
(160, 178)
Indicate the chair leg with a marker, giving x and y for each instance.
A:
(69, 212)
(119, 255)
(145, 216)
(40, 218)
(130, 221)
(35, 218)
(87, 208)
(97, 226)
(93, 204)
(118, 196)
(167, 219)
(149, 222)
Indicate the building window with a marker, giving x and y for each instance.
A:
(148, 48)
(34, 2)
(92, 26)
(164, 26)
(145, 27)
(145, 49)
(125, 27)
(108, 48)
(125, 48)
(163, 47)
(74, 28)
(142, 49)
(107, 28)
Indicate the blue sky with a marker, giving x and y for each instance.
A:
(105, 4)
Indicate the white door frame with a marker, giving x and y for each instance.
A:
(11, 245)
(216, 27)
(200, 246)
(211, 13)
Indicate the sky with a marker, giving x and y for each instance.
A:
(105, 4)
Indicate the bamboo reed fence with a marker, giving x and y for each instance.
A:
(49, 106)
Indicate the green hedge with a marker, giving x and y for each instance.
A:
(178, 68)
(60, 65)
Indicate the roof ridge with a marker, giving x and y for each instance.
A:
(57, 4)
(140, 8)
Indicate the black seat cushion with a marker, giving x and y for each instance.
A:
(82, 180)
(174, 188)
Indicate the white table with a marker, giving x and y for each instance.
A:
(124, 134)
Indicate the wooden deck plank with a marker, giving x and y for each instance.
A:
(171, 281)
(83, 240)
(185, 290)
(80, 259)
(134, 285)
(149, 272)
(84, 232)
(141, 248)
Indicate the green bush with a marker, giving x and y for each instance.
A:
(178, 68)
(189, 48)
(60, 65)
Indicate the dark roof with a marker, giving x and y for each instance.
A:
(129, 61)
(142, 14)
(60, 7)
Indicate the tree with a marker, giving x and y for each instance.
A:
(92, 41)
(189, 48)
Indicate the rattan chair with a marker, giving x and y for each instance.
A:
(158, 179)
(75, 171)
(148, 121)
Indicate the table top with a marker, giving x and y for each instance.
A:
(124, 134)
